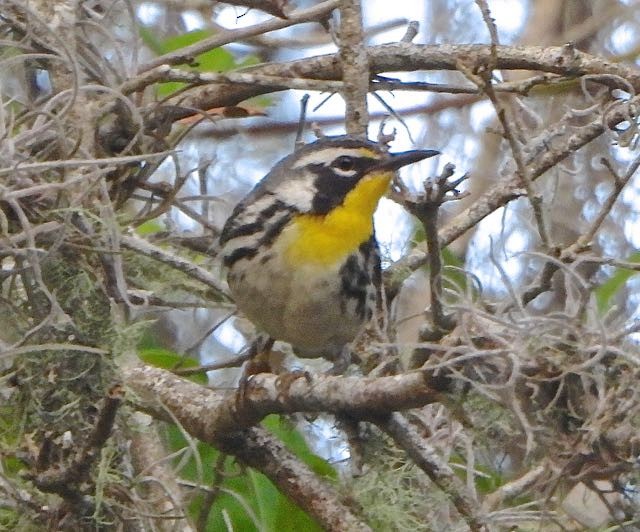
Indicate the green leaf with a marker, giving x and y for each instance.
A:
(150, 227)
(175, 42)
(452, 271)
(488, 482)
(12, 465)
(166, 359)
(9, 519)
(607, 290)
(148, 37)
(248, 499)
(216, 60)
(277, 512)
(449, 258)
(296, 443)
(168, 88)
(236, 497)
(250, 60)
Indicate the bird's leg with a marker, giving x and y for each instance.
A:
(341, 361)
(258, 363)
(258, 357)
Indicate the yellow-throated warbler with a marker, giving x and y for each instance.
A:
(303, 260)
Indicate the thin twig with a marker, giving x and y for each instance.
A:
(188, 53)
(505, 116)
(619, 182)
(192, 270)
(355, 68)
(66, 482)
(109, 162)
(235, 362)
(409, 57)
(426, 208)
(164, 73)
(412, 30)
(583, 243)
(541, 159)
(408, 438)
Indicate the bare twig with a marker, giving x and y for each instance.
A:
(183, 265)
(355, 67)
(164, 73)
(412, 30)
(188, 53)
(67, 482)
(619, 182)
(273, 7)
(109, 162)
(440, 104)
(493, 30)
(407, 437)
(426, 208)
(541, 159)
(574, 252)
(52, 347)
(535, 199)
(412, 57)
(542, 283)
(235, 362)
(506, 118)
(150, 462)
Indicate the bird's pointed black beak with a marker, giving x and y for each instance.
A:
(398, 160)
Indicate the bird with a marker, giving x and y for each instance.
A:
(303, 263)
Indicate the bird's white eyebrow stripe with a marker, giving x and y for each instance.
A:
(328, 154)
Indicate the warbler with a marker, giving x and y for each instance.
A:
(302, 257)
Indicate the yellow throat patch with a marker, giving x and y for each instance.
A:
(326, 239)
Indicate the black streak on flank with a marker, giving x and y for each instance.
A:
(238, 254)
(266, 239)
(355, 280)
(274, 229)
(371, 253)
(234, 227)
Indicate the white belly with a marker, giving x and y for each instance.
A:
(304, 307)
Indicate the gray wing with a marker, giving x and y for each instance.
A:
(266, 186)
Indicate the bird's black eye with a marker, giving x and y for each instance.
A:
(344, 163)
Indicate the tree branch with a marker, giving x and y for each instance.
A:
(409, 57)
(542, 157)
(355, 68)
(189, 268)
(263, 394)
(259, 449)
(188, 53)
(215, 418)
